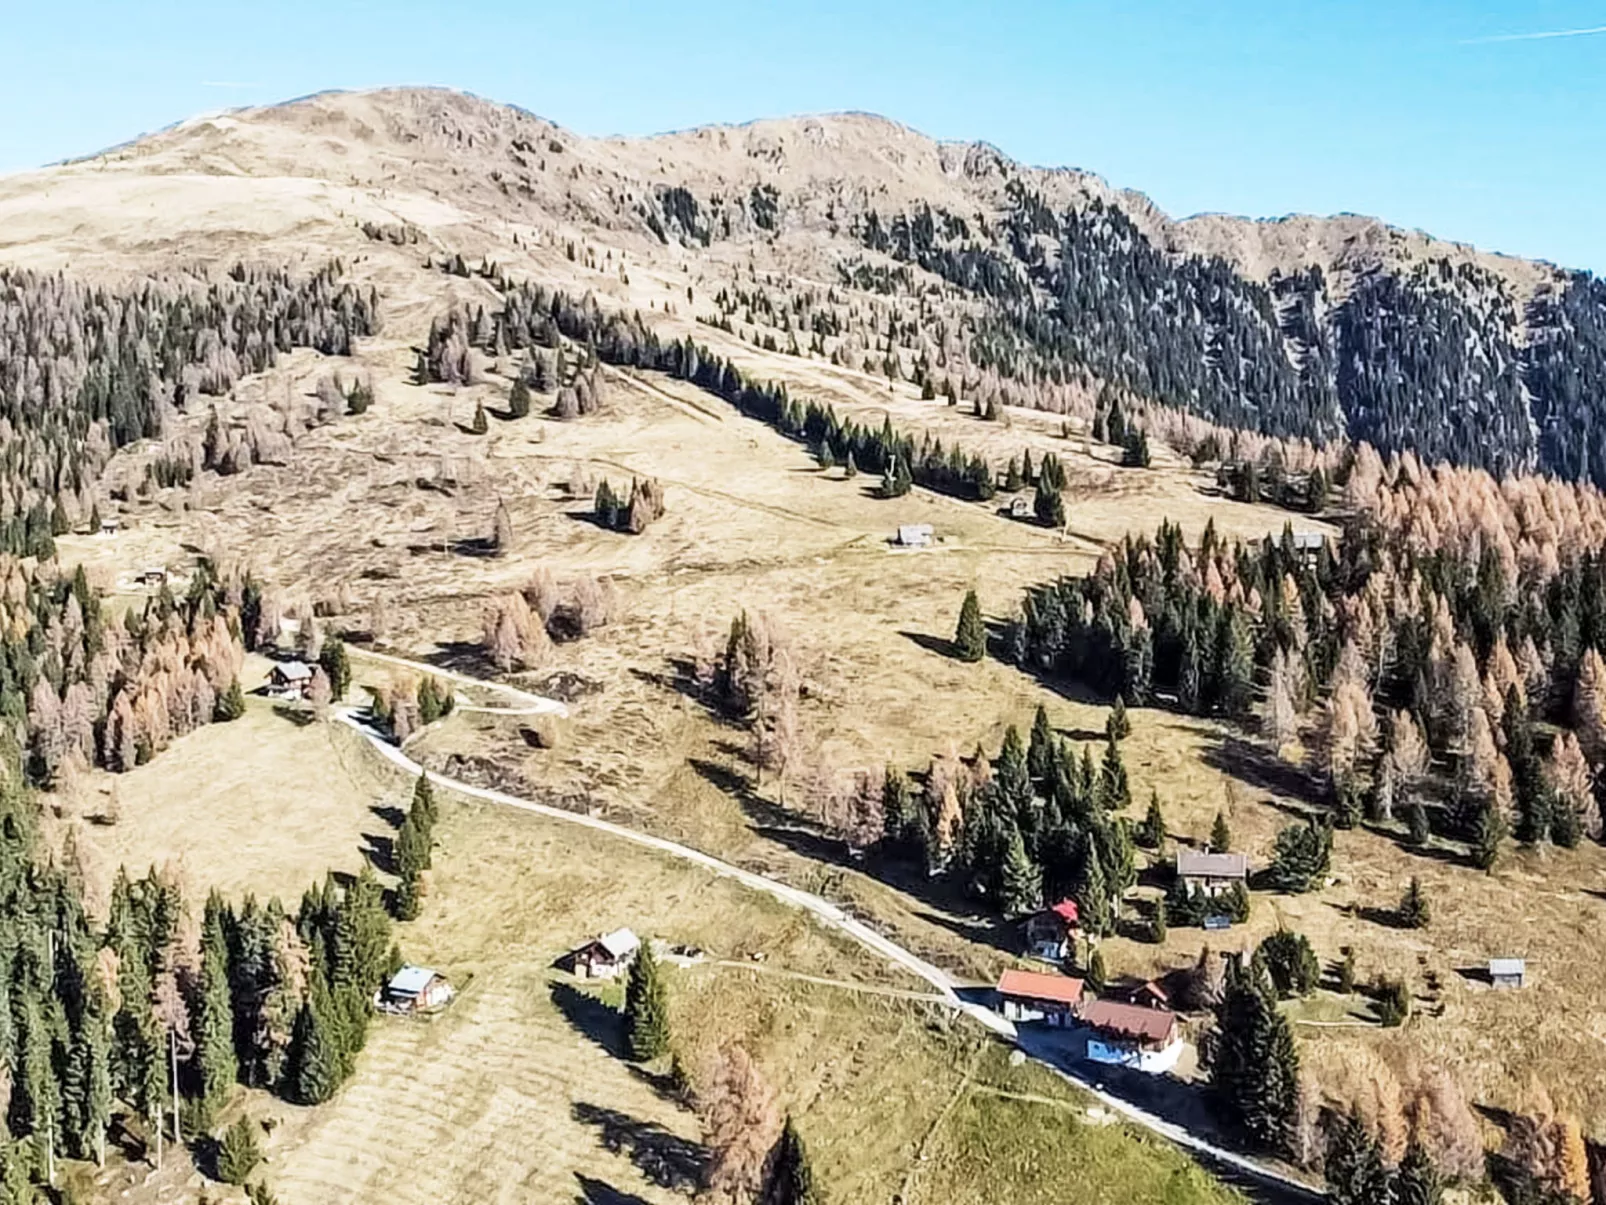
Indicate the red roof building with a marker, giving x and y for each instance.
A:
(1034, 996)
(1131, 1035)
(1049, 933)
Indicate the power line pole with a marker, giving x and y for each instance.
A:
(178, 1126)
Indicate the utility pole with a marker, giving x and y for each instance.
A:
(178, 1126)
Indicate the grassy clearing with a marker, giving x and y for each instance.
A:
(527, 1051)
(993, 1136)
(263, 805)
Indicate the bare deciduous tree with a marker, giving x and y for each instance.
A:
(1446, 1127)
(320, 693)
(1589, 706)
(1282, 718)
(1567, 773)
(740, 1124)
(542, 593)
(1407, 749)
(512, 637)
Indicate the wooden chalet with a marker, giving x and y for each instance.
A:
(1051, 933)
(605, 957)
(1131, 1035)
(290, 679)
(1211, 873)
(1026, 996)
(415, 990)
(1146, 994)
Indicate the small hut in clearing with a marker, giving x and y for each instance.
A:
(1051, 932)
(415, 990)
(290, 679)
(1211, 873)
(1508, 972)
(605, 957)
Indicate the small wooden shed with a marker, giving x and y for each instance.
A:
(415, 990)
(1049, 933)
(1508, 972)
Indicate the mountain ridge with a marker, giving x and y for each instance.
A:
(1207, 232)
(1047, 287)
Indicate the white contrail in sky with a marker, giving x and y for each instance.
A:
(209, 83)
(1543, 36)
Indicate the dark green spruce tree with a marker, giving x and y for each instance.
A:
(336, 666)
(1417, 1182)
(1042, 752)
(230, 704)
(313, 1065)
(646, 1007)
(1021, 879)
(1012, 776)
(1252, 1060)
(970, 638)
(214, 1020)
(1354, 1165)
(1118, 727)
(1414, 912)
(1151, 833)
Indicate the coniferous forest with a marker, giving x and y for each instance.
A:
(1440, 360)
(164, 1008)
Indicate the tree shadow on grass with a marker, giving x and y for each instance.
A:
(665, 1158)
(592, 1017)
(389, 813)
(1389, 918)
(769, 819)
(663, 1084)
(1257, 766)
(595, 1192)
(984, 930)
(299, 716)
(940, 645)
(462, 656)
(682, 679)
(808, 839)
(380, 852)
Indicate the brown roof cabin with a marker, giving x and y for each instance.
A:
(290, 679)
(1148, 994)
(1211, 873)
(1130, 1035)
(605, 957)
(1034, 996)
(1049, 933)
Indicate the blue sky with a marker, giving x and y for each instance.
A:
(1407, 110)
